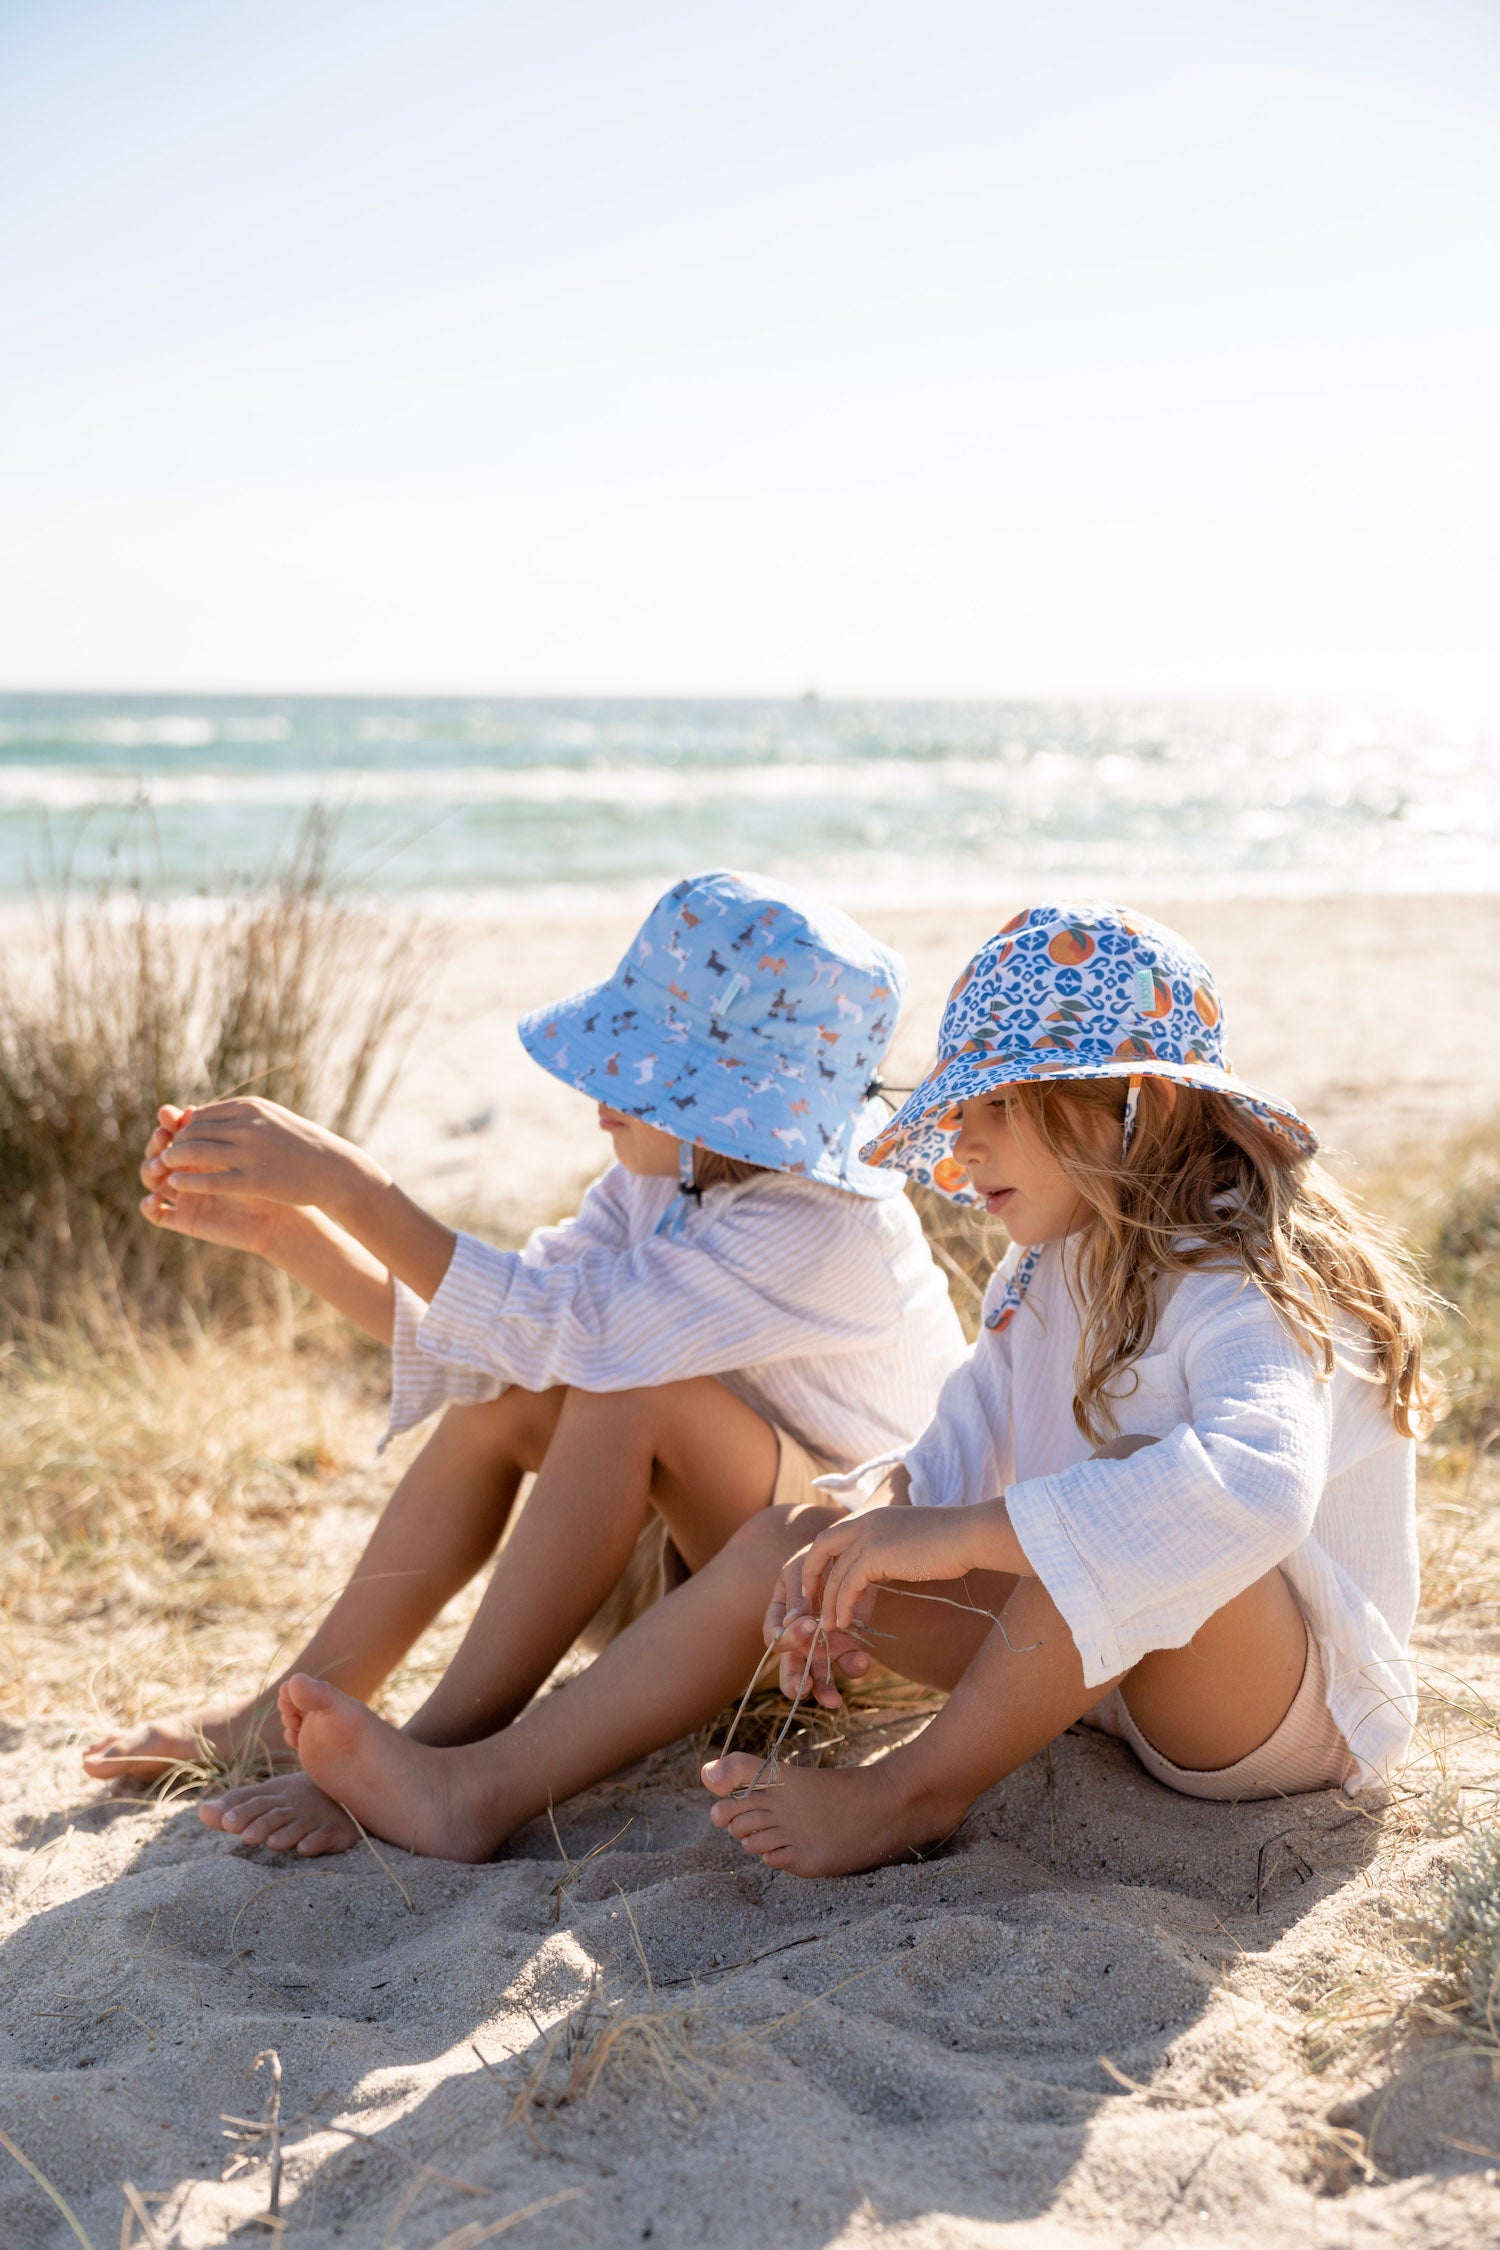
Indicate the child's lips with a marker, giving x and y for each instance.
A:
(995, 1199)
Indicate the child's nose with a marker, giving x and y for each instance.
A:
(968, 1141)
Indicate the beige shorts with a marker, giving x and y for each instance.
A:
(656, 1567)
(1306, 1751)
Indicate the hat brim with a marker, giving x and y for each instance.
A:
(625, 1069)
(916, 1140)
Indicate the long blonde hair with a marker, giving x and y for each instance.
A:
(1205, 1183)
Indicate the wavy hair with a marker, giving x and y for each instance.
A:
(1205, 1183)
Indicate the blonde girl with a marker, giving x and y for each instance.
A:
(1170, 1491)
(739, 1303)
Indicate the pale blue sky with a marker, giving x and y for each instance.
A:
(1146, 347)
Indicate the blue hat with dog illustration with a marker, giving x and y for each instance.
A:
(747, 1018)
(1068, 992)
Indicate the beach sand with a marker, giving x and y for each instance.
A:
(1102, 2015)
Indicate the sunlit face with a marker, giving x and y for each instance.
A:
(1019, 1180)
(641, 1148)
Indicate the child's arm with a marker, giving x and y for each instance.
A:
(848, 1560)
(302, 1242)
(832, 1581)
(254, 1148)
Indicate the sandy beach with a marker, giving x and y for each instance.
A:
(1102, 2015)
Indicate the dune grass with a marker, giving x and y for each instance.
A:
(1457, 1217)
(116, 1004)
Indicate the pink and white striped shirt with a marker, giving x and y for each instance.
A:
(822, 1310)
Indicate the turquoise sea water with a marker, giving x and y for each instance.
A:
(489, 804)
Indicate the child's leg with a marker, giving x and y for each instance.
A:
(1221, 1697)
(677, 1666)
(699, 1455)
(441, 1524)
(703, 1458)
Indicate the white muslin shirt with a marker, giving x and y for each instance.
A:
(1258, 1463)
(823, 1310)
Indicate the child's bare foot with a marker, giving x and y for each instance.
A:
(145, 1753)
(288, 1813)
(424, 1799)
(822, 1823)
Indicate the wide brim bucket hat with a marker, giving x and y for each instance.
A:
(746, 1017)
(1069, 992)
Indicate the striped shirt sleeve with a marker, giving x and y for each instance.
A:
(420, 1384)
(748, 1285)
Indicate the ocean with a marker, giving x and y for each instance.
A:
(488, 805)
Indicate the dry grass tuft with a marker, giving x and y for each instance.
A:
(167, 1510)
(1462, 1238)
(1446, 1198)
(1465, 1936)
(119, 1005)
(875, 1710)
(629, 2036)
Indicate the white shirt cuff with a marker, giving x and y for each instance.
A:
(421, 1381)
(470, 1298)
(1035, 1520)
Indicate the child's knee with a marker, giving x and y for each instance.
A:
(517, 1426)
(764, 1540)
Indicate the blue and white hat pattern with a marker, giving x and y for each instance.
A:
(1068, 992)
(747, 1018)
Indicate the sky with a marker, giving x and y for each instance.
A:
(877, 347)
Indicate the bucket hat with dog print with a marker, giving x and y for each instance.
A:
(746, 1017)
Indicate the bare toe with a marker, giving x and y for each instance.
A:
(767, 1843)
(231, 1809)
(723, 1776)
(336, 1835)
(289, 1814)
(248, 1820)
(287, 1835)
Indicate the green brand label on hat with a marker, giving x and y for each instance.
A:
(1145, 988)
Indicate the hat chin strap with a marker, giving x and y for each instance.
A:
(675, 1216)
(1132, 1104)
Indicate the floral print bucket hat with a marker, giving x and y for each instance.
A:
(1067, 992)
(747, 1018)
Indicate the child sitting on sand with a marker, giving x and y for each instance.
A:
(1171, 1491)
(739, 1303)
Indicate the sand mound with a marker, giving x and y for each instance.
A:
(911, 2057)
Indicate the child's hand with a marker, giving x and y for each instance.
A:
(169, 1121)
(791, 1621)
(250, 1147)
(846, 1563)
(236, 1222)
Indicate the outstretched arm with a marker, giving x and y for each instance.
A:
(256, 1149)
(303, 1242)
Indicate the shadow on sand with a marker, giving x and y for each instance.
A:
(925, 2039)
